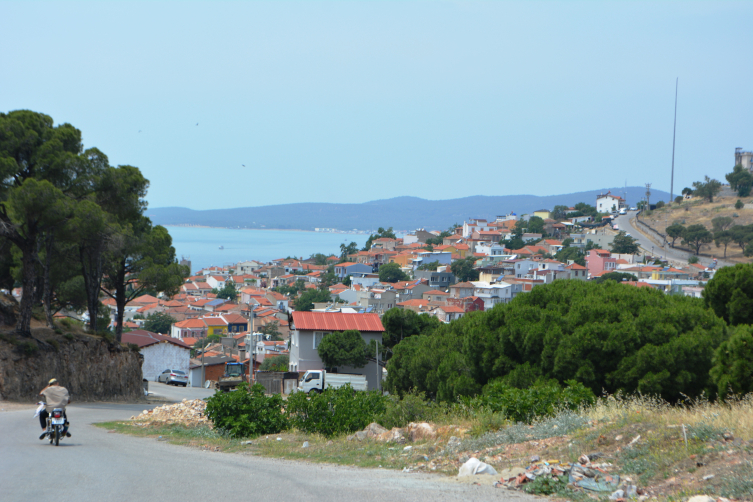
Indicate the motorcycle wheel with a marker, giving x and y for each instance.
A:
(57, 435)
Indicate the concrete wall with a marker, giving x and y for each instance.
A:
(162, 356)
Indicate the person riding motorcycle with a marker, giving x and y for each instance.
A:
(55, 396)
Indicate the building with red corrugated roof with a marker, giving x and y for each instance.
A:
(310, 328)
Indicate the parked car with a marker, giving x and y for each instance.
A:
(175, 377)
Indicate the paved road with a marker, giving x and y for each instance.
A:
(174, 393)
(655, 248)
(96, 466)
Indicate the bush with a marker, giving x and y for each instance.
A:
(608, 336)
(69, 336)
(660, 204)
(246, 412)
(335, 411)
(739, 204)
(413, 407)
(543, 399)
(733, 363)
(693, 259)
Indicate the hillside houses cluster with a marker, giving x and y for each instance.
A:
(354, 286)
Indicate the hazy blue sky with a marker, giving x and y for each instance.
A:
(356, 101)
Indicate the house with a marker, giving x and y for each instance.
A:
(160, 352)
(235, 323)
(608, 203)
(214, 368)
(192, 328)
(440, 278)
(215, 325)
(578, 272)
(280, 301)
(309, 328)
(496, 293)
(348, 268)
(599, 261)
(449, 313)
(247, 267)
(462, 290)
(417, 305)
(544, 214)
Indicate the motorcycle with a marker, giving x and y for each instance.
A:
(57, 424)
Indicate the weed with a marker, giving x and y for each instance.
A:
(705, 432)
(29, 347)
(8, 338)
(545, 485)
(55, 345)
(58, 330)
(69, 336)
(133, 347)
(738, 483)
(559, 425)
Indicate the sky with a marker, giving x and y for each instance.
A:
(237, 104)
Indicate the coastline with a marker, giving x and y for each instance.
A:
(275, 229)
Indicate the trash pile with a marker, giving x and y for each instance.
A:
(594, 477)
(187, 412)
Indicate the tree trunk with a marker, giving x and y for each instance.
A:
(28, 262)
(120, 301)
(91, 269)
(47, 288)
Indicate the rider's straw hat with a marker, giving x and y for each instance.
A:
(52, 381)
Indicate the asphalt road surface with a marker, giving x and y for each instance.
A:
(95, 466)
(656, 248)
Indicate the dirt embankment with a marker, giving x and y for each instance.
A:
(90, 367)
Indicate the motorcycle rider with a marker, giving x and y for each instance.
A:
(55, 396)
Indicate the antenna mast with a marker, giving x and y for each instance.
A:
(674, 134)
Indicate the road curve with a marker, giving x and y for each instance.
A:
(96, 466)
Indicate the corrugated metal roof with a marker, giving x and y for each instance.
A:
(336, 321)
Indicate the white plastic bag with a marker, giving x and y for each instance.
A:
(475, 466)
(39, 409)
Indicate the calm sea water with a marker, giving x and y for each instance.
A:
(202, 245)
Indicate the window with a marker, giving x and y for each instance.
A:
(318, 335)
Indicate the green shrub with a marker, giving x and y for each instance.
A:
(246, 412)
(733, 363)
(693, 259)
(29, 347)
(58, 330)
(55, 345)
(540, 400)
(69, 336)
(66, 322)
(739, 204)
(133, 347)
(412, 407)
(335, 411)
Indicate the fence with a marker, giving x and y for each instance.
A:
(277, 382)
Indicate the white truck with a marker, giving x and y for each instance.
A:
(318, 380)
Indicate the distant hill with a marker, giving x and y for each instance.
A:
(403, 213)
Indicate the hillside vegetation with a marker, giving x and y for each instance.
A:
(700, 211)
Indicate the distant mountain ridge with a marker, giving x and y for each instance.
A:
(403, 213)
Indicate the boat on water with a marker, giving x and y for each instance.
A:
(222, 247)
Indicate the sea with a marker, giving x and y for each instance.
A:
(206, 247)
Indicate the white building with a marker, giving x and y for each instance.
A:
(160, 353)
(608, 203)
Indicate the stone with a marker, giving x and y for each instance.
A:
(701, 498)
(420, 431)
(186, 412)
(395, 435)
(706, 478)
(618, 438)
(305, 444)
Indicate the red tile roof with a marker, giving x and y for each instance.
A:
(336, 321)
(146, 338)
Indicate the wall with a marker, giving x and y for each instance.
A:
(89, 367)
(162, 356)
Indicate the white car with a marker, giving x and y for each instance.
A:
(623, 211)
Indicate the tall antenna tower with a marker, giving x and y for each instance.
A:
(648, 196)
(674, 135)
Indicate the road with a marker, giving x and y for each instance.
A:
(655, 248)
(96, 466)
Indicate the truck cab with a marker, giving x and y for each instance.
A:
(312, 380)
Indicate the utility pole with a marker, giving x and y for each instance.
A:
(674, 133)
(648, 196)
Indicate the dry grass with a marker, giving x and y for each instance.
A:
(735, 416)
(697, 211)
